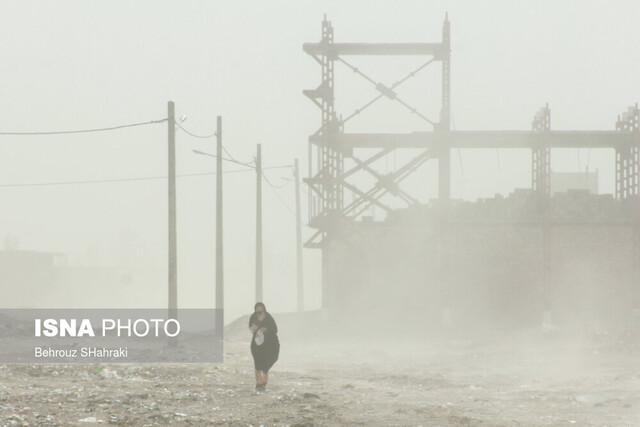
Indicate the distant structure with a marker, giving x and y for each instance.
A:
(25, 275)
(503, 258)
(561, 182)
(23, 267)
(33, 279)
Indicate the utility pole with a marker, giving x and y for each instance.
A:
(296, 174)
(259, 225)
(219, 241)
(173, 255)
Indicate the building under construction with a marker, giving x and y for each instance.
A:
(530, 258)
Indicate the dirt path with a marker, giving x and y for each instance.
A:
(453, 383)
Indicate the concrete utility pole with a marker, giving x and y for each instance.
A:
(219, 235)
(173, 254)
(296, 174)
(259, 224)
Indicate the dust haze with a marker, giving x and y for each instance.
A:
(514, 300)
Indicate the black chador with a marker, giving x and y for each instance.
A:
(265, 346)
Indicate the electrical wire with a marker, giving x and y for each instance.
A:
(66, 132)
(278, 167)
(236, 160)
(149, 178)
(273, 188)
(277, 187)
(301, 187)
(248, 165)
(224, 158)
(103, 181)
(231, 158)
(193, 134)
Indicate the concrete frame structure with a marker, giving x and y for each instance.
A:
(330, 145)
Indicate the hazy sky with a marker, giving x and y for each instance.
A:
(78, 65)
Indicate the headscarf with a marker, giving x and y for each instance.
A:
(268, 321)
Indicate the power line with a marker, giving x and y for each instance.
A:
(103, 181)
(289, 181)
(278, 167)
(234, 159)
(231, 158)
(302, 186)
(273, 185)
(65, 132)
(194, 135)
(224, 158)
(248, 165)
(273, 188)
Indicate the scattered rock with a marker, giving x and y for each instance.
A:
(92, 420)
(107, 373)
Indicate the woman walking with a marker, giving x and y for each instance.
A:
(265, 346)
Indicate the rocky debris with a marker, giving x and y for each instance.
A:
(91, 420)
(461, 383)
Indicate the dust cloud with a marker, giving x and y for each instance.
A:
(496, 307)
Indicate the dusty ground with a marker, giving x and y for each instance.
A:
(538, 379)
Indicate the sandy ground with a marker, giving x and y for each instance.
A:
(536, 379)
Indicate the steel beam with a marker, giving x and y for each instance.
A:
(334, 50)
(480, 139)
(388, 183)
